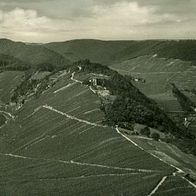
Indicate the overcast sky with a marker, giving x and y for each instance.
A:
(60, 20)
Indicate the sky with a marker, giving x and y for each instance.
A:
(60, 20)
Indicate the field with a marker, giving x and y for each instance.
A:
(169, 153)
(57, 145)
(175, 186)
(158, 74)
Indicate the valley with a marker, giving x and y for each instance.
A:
(68, 131)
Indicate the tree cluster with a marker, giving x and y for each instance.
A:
(132, 106)
(2, 120)
(185, 102)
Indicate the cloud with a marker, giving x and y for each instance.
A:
(120, 20)
(20, 23)
(132, 14)
(128, 20)
(21, 19)
(63, 8)
(74, 9)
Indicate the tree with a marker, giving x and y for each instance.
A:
(145, 131)
(2, 119)
(155, 136)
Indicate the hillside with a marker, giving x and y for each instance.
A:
(8, 62)
(163, 70)
(184, 50)
(154, 76)
(58, 140)
(117, 51)
(9, 80)
(107, 52)
(103, 128)
(31, 54)
(95, 50)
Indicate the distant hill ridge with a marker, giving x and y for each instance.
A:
(31, 54)
(110, 51)
(107, 52)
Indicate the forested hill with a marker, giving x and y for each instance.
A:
(184, 50)
(31, 54)
(131, 106)
(110, 51)
(107, 52)
(8, 62)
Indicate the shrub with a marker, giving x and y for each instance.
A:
(186, 104)
(155, 136)
(145, 131)
(2, 119)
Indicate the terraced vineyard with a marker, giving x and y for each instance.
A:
(158, 73)
(72, 128)
(57, 145)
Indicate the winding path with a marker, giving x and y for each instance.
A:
(83, 164)
(8, 114)
(158, 185)
(73, 117)
(165, 177)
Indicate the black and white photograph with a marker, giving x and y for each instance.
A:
(97, 97)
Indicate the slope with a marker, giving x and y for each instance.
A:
(9, 80)
(117, 51)
(8, 62)
(181, 49)
(95, 50)
(158, 73)
(32, 54)
(57, 145)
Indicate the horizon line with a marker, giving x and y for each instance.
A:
(103, 40)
